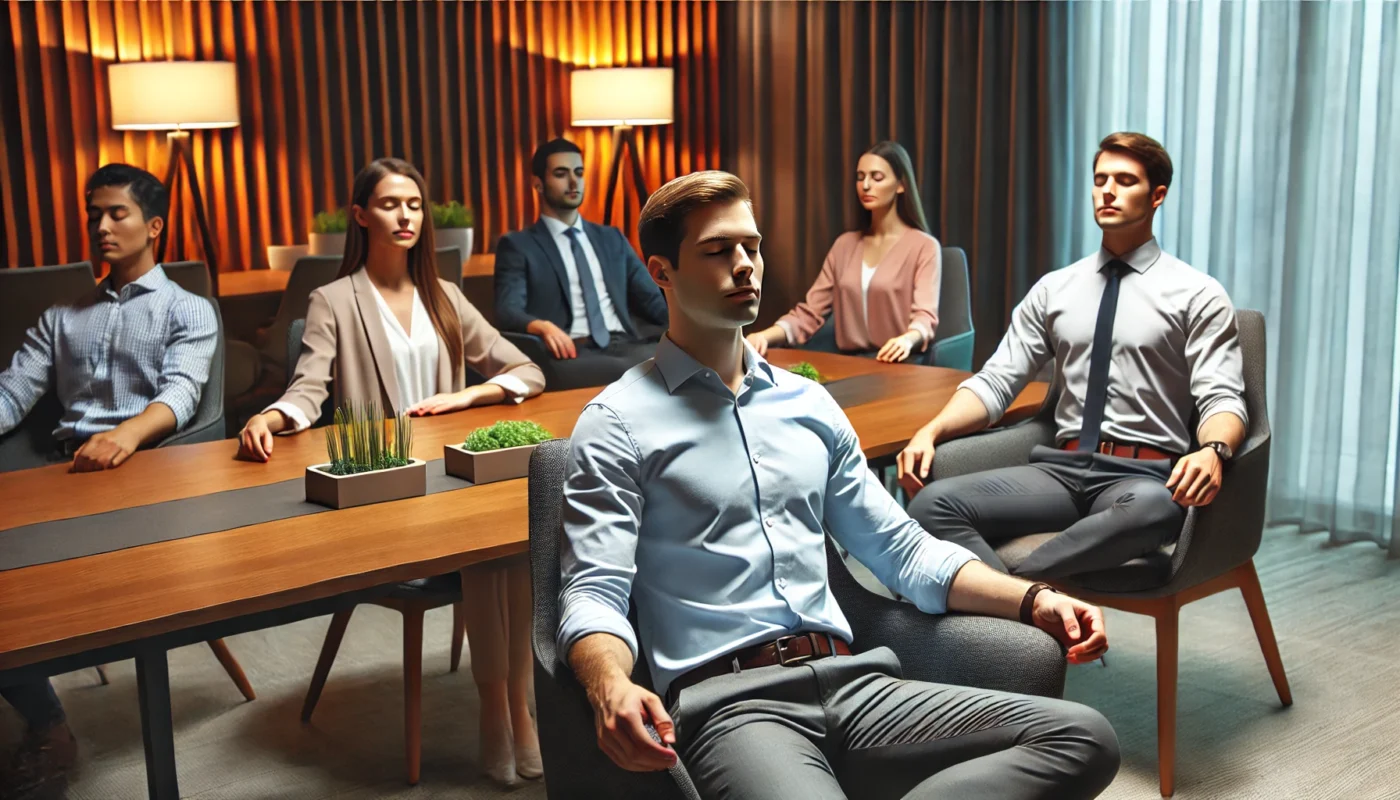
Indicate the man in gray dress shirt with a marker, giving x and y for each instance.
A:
(701, 484)
(1161, 355)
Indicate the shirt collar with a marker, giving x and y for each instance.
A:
(1140, 260)
(557, 228)
(152, 281)
(677, 366)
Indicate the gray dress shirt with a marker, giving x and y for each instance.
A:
(1175, 349)
(708, 508)
(109, 358)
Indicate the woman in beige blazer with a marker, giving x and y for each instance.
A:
(390, 333)
(879, 283)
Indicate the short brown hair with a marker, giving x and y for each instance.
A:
(1143, 149)
(662, 226)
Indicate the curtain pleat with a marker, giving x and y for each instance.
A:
(464, 90)
(962, 86)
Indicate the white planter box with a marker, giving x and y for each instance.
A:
(327, 244)
(490, 466)
(348, 491)
(460, 238)
(282, 257)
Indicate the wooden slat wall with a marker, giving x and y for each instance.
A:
(463, 90)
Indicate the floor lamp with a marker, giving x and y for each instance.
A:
(622, 97)
(178, 96)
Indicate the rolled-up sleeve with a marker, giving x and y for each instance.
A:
(866, 520)
(602, 517)
(1213, 355)
(184, 373)
(1022, 352)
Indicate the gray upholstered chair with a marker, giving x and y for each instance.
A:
(954, 648)
(1214, 553)
(449, 264)
(25, 293)
(952, 342)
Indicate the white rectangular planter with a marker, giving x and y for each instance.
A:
(327, 244)
(460, 238)
(490, 466)
(348, 491)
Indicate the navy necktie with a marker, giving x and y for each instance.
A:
(1099, 358)
(597, 327)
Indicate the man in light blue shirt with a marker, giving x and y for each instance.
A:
(702, 483)
(128, 363)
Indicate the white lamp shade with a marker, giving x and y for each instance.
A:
(622, 96)
(168, 95)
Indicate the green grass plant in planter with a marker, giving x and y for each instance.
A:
(337, 221)
(806, 370)
(499, 452)
(451, 215)
(369, 460)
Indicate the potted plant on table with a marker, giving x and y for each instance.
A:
(328, 232)
(806, 370)
(371, 460)
(497, 453)
(452, 224)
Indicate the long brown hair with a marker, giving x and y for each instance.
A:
(422, 264)
(907, 203)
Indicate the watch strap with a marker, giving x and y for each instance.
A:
(1028, 602)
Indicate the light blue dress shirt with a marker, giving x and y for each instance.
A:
(113, 355)
(708, 507)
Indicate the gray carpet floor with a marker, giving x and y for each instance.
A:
(1336, 611)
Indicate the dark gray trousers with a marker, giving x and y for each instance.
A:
(847, 726)
(1108, 510)
(597, 366)
(36, 702)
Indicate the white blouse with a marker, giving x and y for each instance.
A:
(867, 273)
(415, 351)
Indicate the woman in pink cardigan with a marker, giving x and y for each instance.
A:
(880, 283)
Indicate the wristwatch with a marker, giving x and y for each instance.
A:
(1221, 449)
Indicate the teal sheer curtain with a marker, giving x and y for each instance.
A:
(1283, 121)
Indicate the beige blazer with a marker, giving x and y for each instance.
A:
(345, 347)
(903, 293)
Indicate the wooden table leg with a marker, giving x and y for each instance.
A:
(157, 729)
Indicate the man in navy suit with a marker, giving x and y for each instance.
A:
(595, 323)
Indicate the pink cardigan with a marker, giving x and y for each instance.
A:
(903, 293)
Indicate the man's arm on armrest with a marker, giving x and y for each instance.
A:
(30, 372)
(512, 289)
(979, 589)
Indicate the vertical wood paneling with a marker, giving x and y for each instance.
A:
(465, 90)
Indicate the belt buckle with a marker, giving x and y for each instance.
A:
(780, 646)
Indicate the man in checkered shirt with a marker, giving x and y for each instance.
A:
(128, 363)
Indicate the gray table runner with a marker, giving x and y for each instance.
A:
(58, 540)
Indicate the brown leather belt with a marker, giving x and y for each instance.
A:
(788, 651)
(1125, 450)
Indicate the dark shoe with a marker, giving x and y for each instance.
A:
(39, 769)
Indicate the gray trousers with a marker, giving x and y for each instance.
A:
(1108, 510)
(848, 726)
(597, 366)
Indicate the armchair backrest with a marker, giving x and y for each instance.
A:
(309, 273)
(192, 276)
(573, 764)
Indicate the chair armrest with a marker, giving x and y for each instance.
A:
(955, 352)
(210, 431)
(992, 449)
(1227, 533)
(961, 649)
(531, 345)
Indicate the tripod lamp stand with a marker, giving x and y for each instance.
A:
(178, 96)
(622, 97)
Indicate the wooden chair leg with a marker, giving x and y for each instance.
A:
(1264, 630)
(413, 691)
(102, 674)
(323, 664)
(459, 628)
(232, 667)
(1167, 618)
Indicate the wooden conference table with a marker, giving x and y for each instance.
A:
(142, 601)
